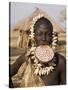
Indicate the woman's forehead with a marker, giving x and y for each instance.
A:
(43, 27)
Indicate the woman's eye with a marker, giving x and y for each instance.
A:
(49, 34)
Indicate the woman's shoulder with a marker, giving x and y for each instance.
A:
(60, 57)
(61, 60)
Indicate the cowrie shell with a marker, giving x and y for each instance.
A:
(32, 57)
(40, 72)
(36, 71)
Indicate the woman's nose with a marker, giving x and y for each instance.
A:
(44, 37)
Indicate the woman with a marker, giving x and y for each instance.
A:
(49, 66)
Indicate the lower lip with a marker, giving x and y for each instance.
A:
(44, 43)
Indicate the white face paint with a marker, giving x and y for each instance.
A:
(44, 53)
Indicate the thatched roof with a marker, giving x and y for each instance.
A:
(25, 24)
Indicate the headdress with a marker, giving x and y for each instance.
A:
(31, 36)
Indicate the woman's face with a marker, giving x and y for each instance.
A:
(43, 36)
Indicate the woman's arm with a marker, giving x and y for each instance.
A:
(13, 68)
(62, 68)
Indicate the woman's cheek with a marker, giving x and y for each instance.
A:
(49, 39)
(37, 38)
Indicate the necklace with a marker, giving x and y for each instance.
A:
(42, 54)
(40, 70)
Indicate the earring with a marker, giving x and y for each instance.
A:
(54, 40)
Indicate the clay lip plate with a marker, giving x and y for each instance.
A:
(44, 53)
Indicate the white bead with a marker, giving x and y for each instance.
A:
(33, 57)
(32, 52)
(32, 49)
(36, 61)
(53, 43)
(55, 38)
(51, 67)
(48, 72)
(39, 65)
(36, 71)
(44, 71)
(40, 72)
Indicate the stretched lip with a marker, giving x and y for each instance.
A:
(43, 43)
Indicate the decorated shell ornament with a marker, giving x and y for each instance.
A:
(44, 53)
